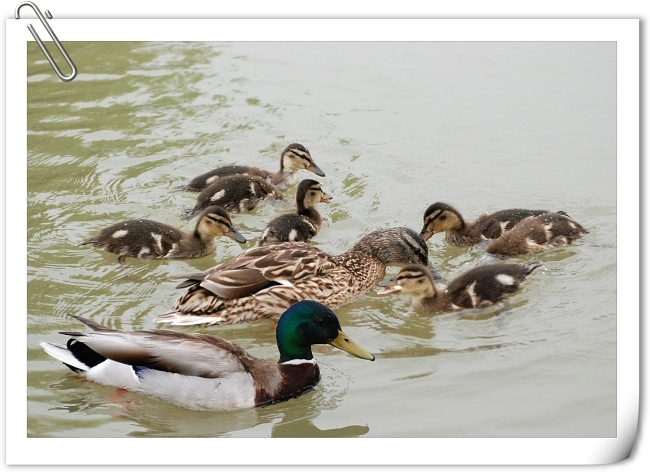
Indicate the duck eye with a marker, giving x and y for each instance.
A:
(320, 321)
(443, 217)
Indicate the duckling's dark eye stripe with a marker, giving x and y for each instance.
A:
(409, 276)
(434, 215)
(218, 219)
(304, 157)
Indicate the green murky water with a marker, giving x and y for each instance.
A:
(395, 127)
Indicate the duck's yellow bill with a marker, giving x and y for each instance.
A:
(344, 343)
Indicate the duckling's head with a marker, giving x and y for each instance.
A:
(395, 246)
(439, 218)
(296, 157)
(310, 193)
(309, 322)
(214, 221)
(413, 279)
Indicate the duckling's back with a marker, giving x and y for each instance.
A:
(235, 193)
(200, 183)
(288, 228)
(137, 238)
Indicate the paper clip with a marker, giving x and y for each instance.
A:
(48, 56)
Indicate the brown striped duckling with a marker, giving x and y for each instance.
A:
(204, 372)
(146, 239)
(264, 281)
(481, 286)
(235, 193)
(536, 233)
(441, 217)
(302, 225)
(294, 158)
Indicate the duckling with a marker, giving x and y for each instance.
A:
(441, 217)
(302, 225)
(204, 372)
(235, 193)
(294, 157)
(536, 233)
(480, 286)
(264, 281)
(146, 239)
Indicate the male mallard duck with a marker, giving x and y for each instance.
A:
(203, 372)
(302, 225)
(235, 193)
(264, 281)
(480, 286)
(441, 217)
(536, 233)
(294, 157)
(148, 239)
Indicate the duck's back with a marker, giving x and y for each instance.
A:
(536, 233)
(288, 228)
(261, 282)
(138, 238)
(200, 183)
(240, 192)
(493, 225)
(486, 284)
(264, 281)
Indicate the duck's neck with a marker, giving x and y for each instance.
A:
(197, 237)
(283, 177)
(461, 236)
(311, 214)
(368, 270)
(197, 243)
(291, 351)
(436, 301)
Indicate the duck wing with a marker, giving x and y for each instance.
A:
(262, 267)
(194, 355)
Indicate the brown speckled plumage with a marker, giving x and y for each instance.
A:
(262, 282)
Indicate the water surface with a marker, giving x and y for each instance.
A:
(395, 126)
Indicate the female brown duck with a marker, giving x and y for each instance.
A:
(262, 282)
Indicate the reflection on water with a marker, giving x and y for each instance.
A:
(98, 405)
(482, 126)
